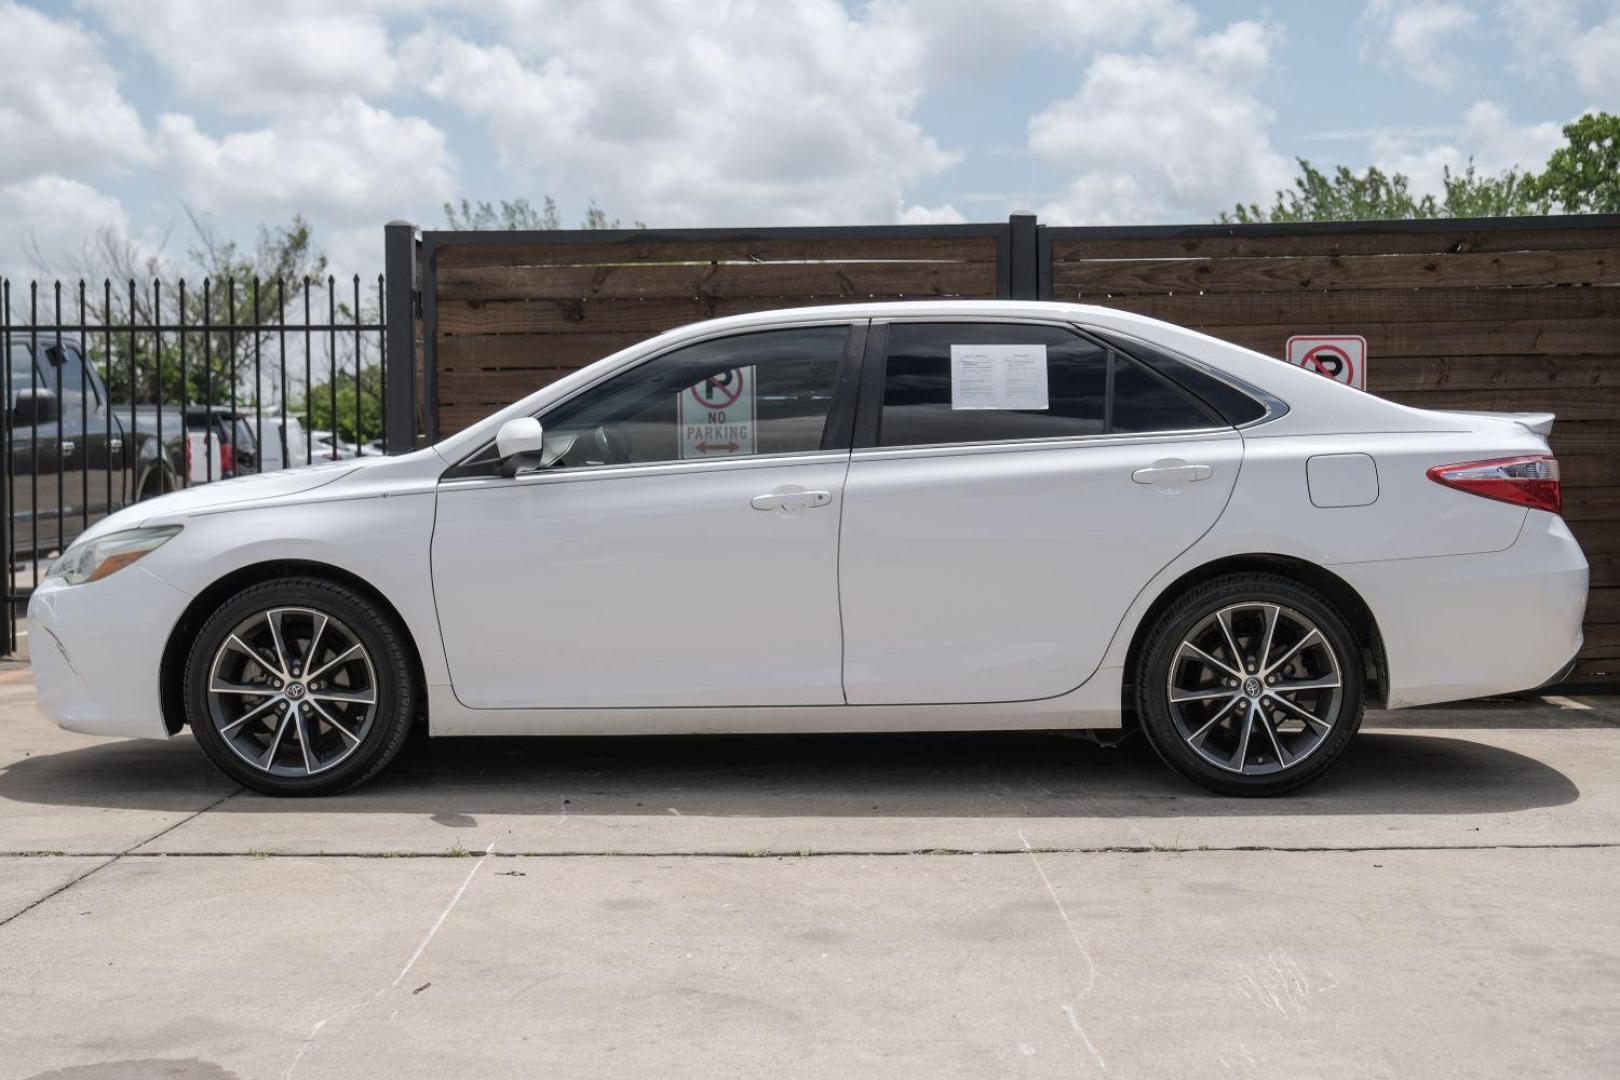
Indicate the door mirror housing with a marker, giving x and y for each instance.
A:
(519, 442)
(35, 406)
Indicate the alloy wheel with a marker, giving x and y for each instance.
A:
(1255, 688)
(292, 691)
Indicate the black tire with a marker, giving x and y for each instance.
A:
(361, 738)
(1205, 725)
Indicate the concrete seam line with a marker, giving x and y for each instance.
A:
(1070, 1011)
(798, 853)
(309, 1039)
(111, 857)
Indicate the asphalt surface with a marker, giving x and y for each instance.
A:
(1443, 904)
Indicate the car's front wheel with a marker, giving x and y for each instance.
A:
(299, 686)
(1250, 684)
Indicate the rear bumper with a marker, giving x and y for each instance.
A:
(96, 650)
(1465, 626)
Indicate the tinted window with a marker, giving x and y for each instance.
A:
(61, 371)
(1089, 389)
(739, 396)
(918, 385)
(1144, 401)
(1232, 405)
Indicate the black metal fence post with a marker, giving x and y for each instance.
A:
(399, 391)
(1023, 254)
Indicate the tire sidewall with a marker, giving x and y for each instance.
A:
(395, 690)
(1152, 681)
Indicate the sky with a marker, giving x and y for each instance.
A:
(123, 116)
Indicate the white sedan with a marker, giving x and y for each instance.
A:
(879, 517)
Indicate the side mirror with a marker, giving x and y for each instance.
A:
(35, 406)
(519, 443)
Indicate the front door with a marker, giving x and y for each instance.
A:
(1012, 489)
(678, 546)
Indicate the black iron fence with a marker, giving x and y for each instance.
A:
(118, 393)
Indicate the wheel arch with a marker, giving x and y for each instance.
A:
(1343, 596)
(171, 669)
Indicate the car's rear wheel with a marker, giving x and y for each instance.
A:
(299, 687)
(1250, 684)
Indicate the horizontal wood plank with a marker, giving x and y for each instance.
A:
(1554, 337)
(1372, 238)
(791, 281)
(1597, 403)
(595, 316)
(493, 352)
(1504, 373)
(1591, 506)
(1108, 277)
(495, 389)
(1341, 311)
(1585, 436)
(981, 249)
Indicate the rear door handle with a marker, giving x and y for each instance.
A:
(1171, 473)
(790, 500)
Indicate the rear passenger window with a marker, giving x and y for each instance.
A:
(983, 382)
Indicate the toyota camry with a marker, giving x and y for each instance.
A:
(879, 517)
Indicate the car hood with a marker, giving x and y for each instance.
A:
(223, 494)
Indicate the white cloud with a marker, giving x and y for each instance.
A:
(1420, 38)
(55, 219)
(970, 35)
(943, 214)
(775, 113)
(243, 56)
(1540, 33)
(346, 161)
(60, 106)
(1171, 136)
(1595, 56)
(1488, 136)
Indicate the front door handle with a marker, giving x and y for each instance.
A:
(1169, 474)
(789, 500)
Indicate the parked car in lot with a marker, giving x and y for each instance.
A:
(284, 445)
(948, 515)
(74, 455)
(328, 447)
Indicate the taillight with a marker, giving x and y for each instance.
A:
(227, 458)
(1524, 481)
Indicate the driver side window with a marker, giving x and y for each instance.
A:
(741, 396)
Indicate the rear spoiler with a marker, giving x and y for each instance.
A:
(1539, 422)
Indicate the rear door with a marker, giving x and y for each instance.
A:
(1013, 486)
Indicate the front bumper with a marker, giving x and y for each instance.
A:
(1466, 626)
(97, 648)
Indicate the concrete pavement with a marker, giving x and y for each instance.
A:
(878, 906)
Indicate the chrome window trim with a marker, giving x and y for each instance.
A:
(1059, 442)
(654, 468)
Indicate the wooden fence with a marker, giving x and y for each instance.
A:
(1500, 314)
(508, 313)
(1511, 314)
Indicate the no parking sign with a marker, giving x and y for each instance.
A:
(1341, 357)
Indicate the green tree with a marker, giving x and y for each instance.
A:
(317, 408)
(1583, 176)
(484, 216)
(1342, 196)
(1510, 194)
(227, 277)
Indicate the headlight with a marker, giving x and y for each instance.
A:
(95, 559)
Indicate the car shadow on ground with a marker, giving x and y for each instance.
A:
(1036, 774)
